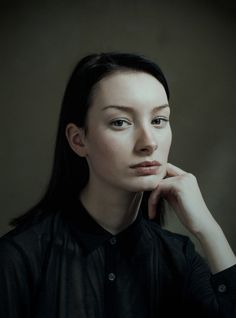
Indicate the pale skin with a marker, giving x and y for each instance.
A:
(135, 131)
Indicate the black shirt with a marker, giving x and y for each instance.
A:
(67, 266)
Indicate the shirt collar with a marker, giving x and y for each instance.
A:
(91, 235)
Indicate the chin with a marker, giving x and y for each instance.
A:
(146, 183)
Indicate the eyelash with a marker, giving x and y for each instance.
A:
(165, 120)
(118, 120)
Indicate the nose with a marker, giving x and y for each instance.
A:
(146, 143)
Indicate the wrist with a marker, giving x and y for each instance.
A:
(216, 247)
(205, 225)
(209, 230)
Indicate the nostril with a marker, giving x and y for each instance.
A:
(149, 148)
(155, 147)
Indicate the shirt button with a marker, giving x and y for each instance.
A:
(111, 277)
(113, 240)
(222, 288)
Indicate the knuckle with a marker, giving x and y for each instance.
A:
(191, 176)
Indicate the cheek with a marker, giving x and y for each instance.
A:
(106, 148)
(165, 145)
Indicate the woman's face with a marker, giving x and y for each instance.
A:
(128, 125)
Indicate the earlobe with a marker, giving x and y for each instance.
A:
(76, 139)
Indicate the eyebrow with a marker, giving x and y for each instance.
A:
(131, 109)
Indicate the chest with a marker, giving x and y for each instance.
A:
(108, 282)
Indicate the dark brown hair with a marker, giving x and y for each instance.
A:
(70, 172)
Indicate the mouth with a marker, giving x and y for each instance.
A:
(147, 164)
(147, 168)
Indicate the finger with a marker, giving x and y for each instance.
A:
(162, 190)
(172, 170)
(152, 203)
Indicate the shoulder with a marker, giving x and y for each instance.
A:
(175, 250)
(175, 244)
(28, 242)
(166, 235)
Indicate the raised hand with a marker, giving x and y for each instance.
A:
(181, 190)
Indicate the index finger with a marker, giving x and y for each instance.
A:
(172, 170)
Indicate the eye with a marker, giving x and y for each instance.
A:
(160, 122)
(119, 123)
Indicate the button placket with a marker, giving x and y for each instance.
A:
(111, 252)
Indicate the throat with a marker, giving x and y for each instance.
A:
(114, 215)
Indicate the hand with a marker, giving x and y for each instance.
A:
(181, 190)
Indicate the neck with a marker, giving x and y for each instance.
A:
(114, 210)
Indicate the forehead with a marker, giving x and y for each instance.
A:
(129, 88)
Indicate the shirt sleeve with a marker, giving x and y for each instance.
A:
(15, 281)
(210, 295)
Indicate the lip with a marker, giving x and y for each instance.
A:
(147, 168)
(146, 164)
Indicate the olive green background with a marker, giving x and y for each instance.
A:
(194, 43)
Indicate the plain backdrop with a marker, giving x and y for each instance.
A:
(194, 43)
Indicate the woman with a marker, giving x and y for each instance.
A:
(93, 246)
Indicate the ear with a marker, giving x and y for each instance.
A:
(76, 139)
